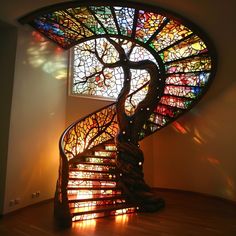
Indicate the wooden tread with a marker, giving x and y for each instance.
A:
(94, 188)
(97, 209)
(78, 162)
(102, 198)
(94, 171)
(94, 179)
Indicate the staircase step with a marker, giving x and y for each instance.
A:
(99, 160)
(102, 198)
(103, 214)
(78, 162)
(111, 171)
(90, 184)
(107, 147)
(97, 209)
(101, 202)
(113, 193)
(91, 188)
(89, 175)
(102, 149)
(97, 156)
(106, 168)
(94, 160)
(94, 179)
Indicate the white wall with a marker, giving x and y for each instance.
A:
(37, 119)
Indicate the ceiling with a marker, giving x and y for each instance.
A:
(215, 17)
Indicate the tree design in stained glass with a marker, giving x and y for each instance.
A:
(95, 72)
(181, 55)
(155, 64)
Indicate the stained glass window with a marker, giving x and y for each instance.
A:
(178, 48)
(90, 75)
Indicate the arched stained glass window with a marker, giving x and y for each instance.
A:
(181, 51)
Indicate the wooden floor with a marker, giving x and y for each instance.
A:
(184, 214)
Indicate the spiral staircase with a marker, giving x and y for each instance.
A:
(89, 184)
(93, 188)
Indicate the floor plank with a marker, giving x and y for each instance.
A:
(184, 214)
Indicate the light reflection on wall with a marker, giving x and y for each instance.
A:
(45, 55)
(230, 189)
(178, 127)
(203, 132)
(183, 129)
(198, 137)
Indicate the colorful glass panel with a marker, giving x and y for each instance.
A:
(94, 129)
(189, 92)
(189, 65)
(189, 47)
(65, 20)
(147, 24)
(104, 15)
(82, 14)
(167, 110)
(53, 31)
(199, 79)
(182, 103)
(170, 34)
(159, 119)
(125, 18)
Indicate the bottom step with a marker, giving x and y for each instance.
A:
(108, 211)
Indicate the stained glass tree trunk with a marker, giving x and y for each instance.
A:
(130, 157)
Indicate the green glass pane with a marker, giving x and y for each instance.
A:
(104, 15)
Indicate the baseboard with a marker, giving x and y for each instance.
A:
(31, 205)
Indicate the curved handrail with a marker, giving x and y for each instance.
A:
(101, 129)
(101, 125)
(76, 139)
